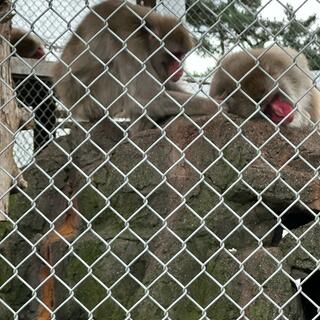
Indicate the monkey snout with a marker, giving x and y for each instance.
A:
(175, 70)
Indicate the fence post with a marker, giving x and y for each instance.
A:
(10, 114)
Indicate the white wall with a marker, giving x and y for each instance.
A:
(176, 7)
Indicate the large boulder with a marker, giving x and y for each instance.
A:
(185, 222)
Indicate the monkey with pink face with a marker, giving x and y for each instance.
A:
(276, 80)
(125, 58)
(26, 44)
(32, 92)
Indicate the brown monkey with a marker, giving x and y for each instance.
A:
(126, 58)
(26, 44)
(276, 79)
(32, 92)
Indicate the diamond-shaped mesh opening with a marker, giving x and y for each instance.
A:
(33, 93)
(131, 191)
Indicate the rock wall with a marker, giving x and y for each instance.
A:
(186, 224)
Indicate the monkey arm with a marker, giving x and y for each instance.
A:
(193, 105)
(166, 105)
(161, 101)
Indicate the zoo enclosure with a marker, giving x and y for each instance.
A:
(91, 237)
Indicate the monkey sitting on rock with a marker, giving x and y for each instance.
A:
(278, 80)
(125, 59)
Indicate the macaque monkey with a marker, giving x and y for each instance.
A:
(26, 44)
(125, 59)
(276, 79)
(31, 91)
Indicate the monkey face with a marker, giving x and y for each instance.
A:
(261, 81)
(169, 48)
(279, 110)
(245, 92)
(39, 53)
(167, 64)
(244, 103)
(171, 66)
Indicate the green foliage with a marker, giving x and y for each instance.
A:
(220, 25)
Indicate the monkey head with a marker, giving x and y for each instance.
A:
(26, 44)
(169, 42)
(243, 85)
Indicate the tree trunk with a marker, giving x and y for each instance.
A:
(10, 116)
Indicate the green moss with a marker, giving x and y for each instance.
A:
(225, 171)
(221, 268)
(5, 273)
(262, 309)
(90, 292)
(109, 310)
(4, 312)
(90, 202)
(18, 205)
(15, 293)
(185, 310)
(126, 204)
(73, 271)
(5, 228)
(90, 251)
(203, 201)
(74, 268)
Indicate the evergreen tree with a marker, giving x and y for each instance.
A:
(220, 25)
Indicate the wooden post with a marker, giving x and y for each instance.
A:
(10, 115)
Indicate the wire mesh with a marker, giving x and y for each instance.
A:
(214, 217)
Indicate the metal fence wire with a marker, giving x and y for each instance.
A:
(163, 212)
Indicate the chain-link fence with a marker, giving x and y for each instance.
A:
(145, 194)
